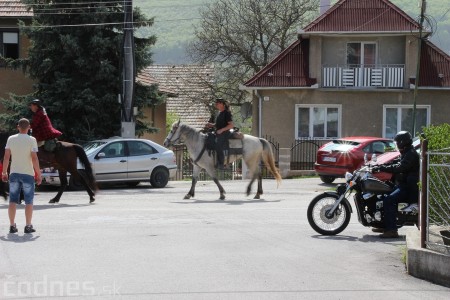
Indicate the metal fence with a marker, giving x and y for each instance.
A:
(303, 153)
(185, 167)
(438, 204)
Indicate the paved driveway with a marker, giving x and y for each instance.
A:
(146, 243)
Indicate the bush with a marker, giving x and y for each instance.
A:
(439, 173)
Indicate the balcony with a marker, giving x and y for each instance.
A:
(363, 76)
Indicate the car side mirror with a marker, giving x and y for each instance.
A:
(100, 155)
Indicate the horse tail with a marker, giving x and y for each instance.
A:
(269, 161)
(87, 166)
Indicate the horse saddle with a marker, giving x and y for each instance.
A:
(235, 142)
(51, 145)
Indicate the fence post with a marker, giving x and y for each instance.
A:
(284, 162)
(423, 193)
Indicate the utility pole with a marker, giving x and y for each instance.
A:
(128, 74)
(419, 53)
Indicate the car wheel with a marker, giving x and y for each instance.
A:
(159, 178)
(327, 179)
(75, 184)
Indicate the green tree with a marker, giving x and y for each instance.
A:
(75, 57)
(242, 36)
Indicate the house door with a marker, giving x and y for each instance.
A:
(361, 57)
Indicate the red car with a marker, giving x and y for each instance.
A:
(347, 154)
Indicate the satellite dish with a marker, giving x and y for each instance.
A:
(246, 110)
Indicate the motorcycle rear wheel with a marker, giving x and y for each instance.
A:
(323, 224)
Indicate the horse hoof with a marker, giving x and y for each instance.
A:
(257, 197)
(187, 197)
(53, 201)
(92, 200)
(222, 197)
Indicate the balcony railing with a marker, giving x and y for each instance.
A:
(363, 76)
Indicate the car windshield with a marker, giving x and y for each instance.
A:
(340, 145)
(92, 146)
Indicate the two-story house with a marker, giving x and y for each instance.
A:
(352, 72)
(13, 45)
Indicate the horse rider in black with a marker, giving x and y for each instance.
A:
(223, 125)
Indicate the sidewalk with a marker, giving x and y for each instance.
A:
(426, 264)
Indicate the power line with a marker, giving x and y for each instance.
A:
(444, 15)
(87, 24)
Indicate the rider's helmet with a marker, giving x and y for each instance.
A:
(403, 139)
(36, 102)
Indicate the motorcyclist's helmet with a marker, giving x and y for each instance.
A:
(403, 139)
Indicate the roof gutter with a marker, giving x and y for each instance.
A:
(255, 88)
(259, 113)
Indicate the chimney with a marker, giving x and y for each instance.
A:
(324, 6)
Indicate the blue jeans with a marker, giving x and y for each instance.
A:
(21, 182)
(390, 205)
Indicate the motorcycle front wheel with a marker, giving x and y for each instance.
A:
(322, 224)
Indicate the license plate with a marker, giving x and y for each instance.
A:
(330, 159)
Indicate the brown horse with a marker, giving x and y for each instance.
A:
(64, 159)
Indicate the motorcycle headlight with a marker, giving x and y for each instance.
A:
(348, 176)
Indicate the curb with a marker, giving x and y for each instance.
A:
(426, 264)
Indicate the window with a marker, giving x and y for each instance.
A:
(379, 147)
(114, 150)
(9, 44)
(320, 121)
(400, 117)
(140, 148)
(361, 53)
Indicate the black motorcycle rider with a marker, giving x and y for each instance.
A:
(406, 171)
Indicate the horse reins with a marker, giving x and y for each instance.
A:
(169, 139)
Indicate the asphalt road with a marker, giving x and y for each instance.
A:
(146, 243)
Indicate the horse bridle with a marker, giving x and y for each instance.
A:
(168, 140)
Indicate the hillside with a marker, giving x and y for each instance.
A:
(175, 21)
(174, 26)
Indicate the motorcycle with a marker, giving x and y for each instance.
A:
(329, 213)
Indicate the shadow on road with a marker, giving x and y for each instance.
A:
(48, 206)
(227, 202)
(15, 238)
(367, 238)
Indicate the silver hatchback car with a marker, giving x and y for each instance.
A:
(125, 160)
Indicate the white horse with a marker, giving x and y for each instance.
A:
(253, 150)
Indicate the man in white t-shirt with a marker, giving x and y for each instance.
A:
(22, 149)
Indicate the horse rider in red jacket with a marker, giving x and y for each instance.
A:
(42, 128)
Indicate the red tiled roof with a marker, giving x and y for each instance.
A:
(189, 83)
(434, 66)
(363, 16)
(289, 69)
(146, 79)
(14, 8)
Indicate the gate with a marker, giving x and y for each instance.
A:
(437, 188)
(303, 153)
